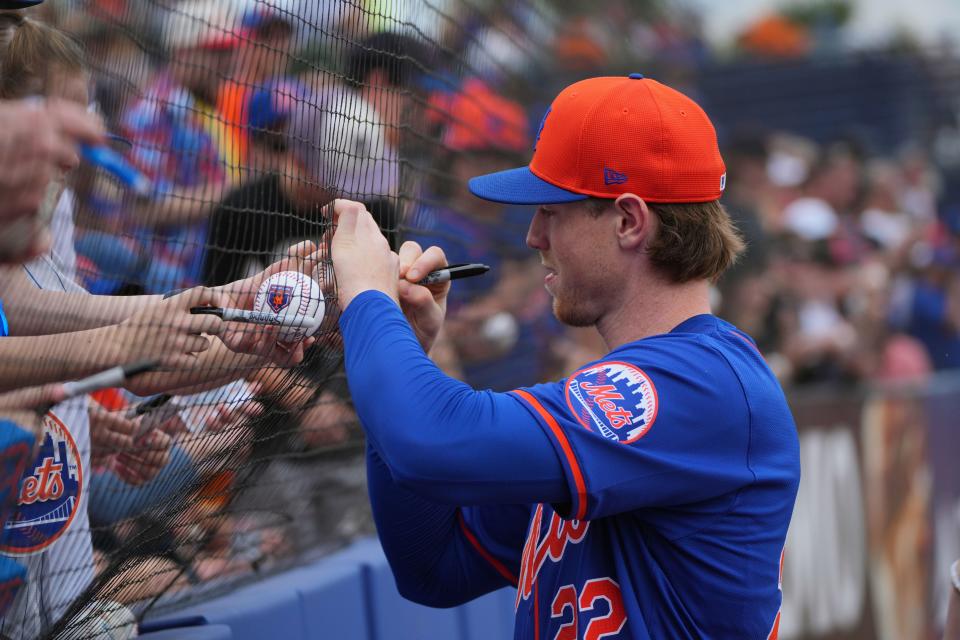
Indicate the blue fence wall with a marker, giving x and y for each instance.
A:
(883, 100)
(349, 596)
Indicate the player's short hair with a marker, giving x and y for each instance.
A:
(696, 240)
(30, 52)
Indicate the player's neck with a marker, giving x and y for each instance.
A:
(652, 309)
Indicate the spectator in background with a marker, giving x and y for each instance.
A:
(929, 306)
(181, 142)
(883, 353)
(500, 323)
(882, 221)
(383, 68)
(261, 61)
(496, 51)
(830, 192)
(745, 196)
(790, 160)
(256, 222)
(264, 51)
(38, 144)
(813, 336)
(354, 159)
(921, 186)
(309, 155)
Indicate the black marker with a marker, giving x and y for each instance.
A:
(454, 272)
(112, 377)
(155, 412)
(296, 321)
(148, 405)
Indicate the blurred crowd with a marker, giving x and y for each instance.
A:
(249, 118)
(851, 275)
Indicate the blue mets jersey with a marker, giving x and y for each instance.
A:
(676, 469)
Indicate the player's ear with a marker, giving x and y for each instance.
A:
(636, 223)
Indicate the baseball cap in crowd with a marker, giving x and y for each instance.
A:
(342, 143)
(200, 24)
(399, 57)
(603, 137)
(810, 218)
(269, 107)
(477, 119)
(262, 18)
(12, 5)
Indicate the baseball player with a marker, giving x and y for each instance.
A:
(648, 494)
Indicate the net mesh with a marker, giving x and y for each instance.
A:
(248, 118)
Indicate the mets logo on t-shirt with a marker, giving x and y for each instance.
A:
(278, 297)
(614, 398)
(49, 494)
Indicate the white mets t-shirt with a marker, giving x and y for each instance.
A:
(50, 531)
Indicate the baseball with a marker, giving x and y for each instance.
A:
(291, 293)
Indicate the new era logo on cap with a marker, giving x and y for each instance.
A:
(543, 121)
(613, 177)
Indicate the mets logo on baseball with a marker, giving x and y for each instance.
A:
(614, 398)
(49, 496)
(278, 297)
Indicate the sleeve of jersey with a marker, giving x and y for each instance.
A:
(660, 427)
(438, 436)
(442, 555)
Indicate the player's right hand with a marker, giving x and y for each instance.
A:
(167, 331)
(424, 306)
(361, 255)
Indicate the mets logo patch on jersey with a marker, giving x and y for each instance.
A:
(616, 399)
(278, 297)
(49, 495)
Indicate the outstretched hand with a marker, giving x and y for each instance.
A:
(24, 407)
(263, 340)
(166, 331)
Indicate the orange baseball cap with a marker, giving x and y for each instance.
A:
(603, 137)
(479, 120)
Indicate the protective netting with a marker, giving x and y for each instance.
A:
(249, 117)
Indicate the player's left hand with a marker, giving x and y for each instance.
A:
(362, 259)
(263, 340)
(425, 307)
